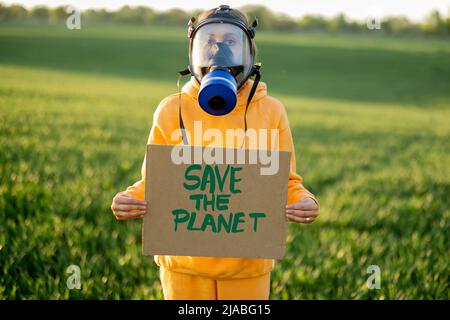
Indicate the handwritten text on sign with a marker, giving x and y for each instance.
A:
(210, 183)
(213, 210)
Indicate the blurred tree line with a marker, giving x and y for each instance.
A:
(433, 24)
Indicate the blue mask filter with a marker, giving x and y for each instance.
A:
(218, 92)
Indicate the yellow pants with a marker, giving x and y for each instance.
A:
(180, 286)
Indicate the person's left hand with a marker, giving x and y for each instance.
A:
(304, 211)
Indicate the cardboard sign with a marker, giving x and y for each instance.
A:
(214, 210)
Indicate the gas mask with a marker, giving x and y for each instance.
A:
(221, 58)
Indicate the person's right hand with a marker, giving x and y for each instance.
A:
(126, 207)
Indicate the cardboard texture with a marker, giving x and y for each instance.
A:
(244, 215)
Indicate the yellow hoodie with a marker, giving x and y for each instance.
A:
(264, 112)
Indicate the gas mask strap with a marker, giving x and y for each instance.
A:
(251, 94)
(183, 130)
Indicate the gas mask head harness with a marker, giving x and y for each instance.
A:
(221, 58)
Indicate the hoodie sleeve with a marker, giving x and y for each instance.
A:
(137, 190)
(296, 190)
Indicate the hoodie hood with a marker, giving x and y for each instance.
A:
(192, 88)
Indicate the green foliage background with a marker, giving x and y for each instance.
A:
(434, 23)
(371, 123)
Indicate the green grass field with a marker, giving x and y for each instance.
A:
(371, 123)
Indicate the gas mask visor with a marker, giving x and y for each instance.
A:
(221, 60)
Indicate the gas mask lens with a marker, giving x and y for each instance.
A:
(221, 45)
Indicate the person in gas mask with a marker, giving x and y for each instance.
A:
(222, 95)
